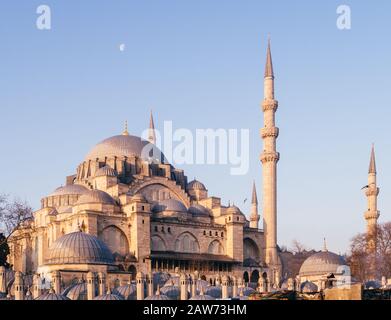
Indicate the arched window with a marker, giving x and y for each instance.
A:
(186, 242)
(158, 244)
(116, 240)
(215, 247)
(250, 250)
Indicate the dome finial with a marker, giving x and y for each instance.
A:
(324, 245)
(125, 132)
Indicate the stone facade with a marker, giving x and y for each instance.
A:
(152, 219)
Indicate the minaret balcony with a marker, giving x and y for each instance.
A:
(270, 132)
(269, 105)
(371, 215)
(371, 191)
(270, 157)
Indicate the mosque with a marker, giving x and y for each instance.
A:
(129, 225)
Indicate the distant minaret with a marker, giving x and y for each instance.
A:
(254, 216)
(151, 130)
(269, 158)
(372, 214)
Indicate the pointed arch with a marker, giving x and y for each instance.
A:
(215, 247)
(158, 243)
(187, 242)
(115, 239)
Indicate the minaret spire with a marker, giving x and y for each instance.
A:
(372, 192)
(254, 198)
(151, 130)
(269, 61)
(269, 159)
(372, 163)
(254, 216)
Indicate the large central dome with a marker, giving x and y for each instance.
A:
(124, 146)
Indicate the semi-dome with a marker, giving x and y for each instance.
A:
(106, 171)
(124, 146)
(199, 210)
(71, 189)
(169, 205)
(79, 248)
(196, 185)
(321, 263)
(96, 196)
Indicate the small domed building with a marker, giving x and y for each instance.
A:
(323, 270)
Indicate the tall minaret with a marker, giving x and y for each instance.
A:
(151, 130)
(372, 214)
(254, 216)
(269, 158)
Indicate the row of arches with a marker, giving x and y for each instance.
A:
(186, 243)
(118, 243)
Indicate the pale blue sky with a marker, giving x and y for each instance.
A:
(200, 64)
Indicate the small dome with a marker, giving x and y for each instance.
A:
(169, 205)
(79, 248)
(157, 296)
(127, 292)
(234, 210)
(106, 171)
(196, 185)
(78, 291)
(173, 292)
(51, 295)
(199, 210)
(321, 263)
(202, 296)
(308, 287)
(246, 291)
(96, 196)
(109, 297)
(215, 292)
(71, 189)
(139, 198)
(161, 278)
(124, 146)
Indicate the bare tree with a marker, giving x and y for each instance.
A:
(298, 247)
(362, 260)
(13, 214)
